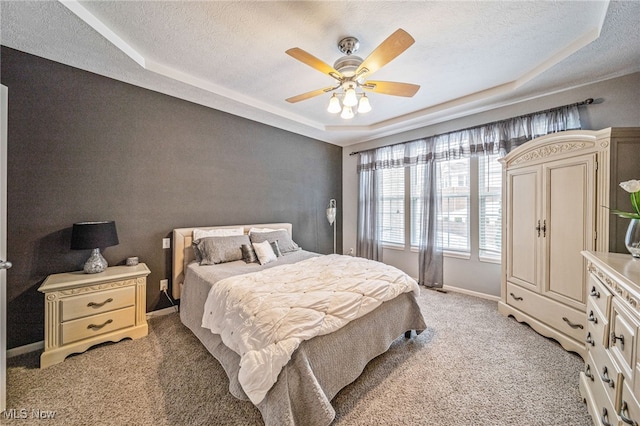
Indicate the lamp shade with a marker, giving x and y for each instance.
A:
(364, 106)
(91, 235)
(334, 105)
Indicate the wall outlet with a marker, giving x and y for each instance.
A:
(166, 243)
(164, 285)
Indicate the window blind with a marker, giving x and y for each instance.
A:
(391, 212)
(454, 177)
(490, 209)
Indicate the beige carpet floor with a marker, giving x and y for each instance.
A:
(472, 366)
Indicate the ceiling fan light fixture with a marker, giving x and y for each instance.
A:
(347, 113)
(350, 97)
(334, 105)
(364, 106)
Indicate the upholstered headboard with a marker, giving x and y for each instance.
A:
(183, 253)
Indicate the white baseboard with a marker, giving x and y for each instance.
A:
(471, 293)
(36, 346)
(31, 347)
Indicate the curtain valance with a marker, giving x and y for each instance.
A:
(499, 137)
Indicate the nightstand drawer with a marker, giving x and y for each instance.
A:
(96, 303)
(95, 325)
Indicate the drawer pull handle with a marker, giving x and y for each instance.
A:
(589, 340)
(605, 418)
(99, 305)
(588, 373)
(614, 338)
(515, 297)
(594, 293)
(605, 377)
(572, 325)
(624, 412)
(592, 318)
(98, 327)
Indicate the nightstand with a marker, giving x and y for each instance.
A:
(82, 310)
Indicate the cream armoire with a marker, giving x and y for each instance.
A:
(556, 190)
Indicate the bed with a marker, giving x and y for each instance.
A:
(319, 367)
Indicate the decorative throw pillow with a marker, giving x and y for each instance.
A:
(276, 248)
(216, 250)
(265, 252)
(283, 238)
(249, 254)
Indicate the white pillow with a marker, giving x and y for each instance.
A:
(258, 230)
(264, 252)
(221, 232)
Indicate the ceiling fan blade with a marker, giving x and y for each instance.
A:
(391, 88)
(389, 49)
(314, 62)
(311, 94)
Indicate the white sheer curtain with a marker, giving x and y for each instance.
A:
(493, 138)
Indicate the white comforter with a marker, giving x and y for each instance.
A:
(265, 315)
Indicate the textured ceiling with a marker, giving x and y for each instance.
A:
(468, 56)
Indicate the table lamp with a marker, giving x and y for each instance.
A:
(93, 235)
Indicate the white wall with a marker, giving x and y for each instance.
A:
(617, 105)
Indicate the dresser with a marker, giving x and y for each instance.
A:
(554, 191)
(82, 310)
(610, 382)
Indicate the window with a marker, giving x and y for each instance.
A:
(455, 179)
(453, 176)
(490, 209)
(391, 212)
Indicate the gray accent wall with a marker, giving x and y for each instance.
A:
(85, 147)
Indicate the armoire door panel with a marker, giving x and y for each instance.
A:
(523, 215)
(568, 222)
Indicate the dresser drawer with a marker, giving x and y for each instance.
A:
(96, 325)
(622, 339)
(94, 303)
(605, 411)
(597, 326)
(599, 295)
(629, 410)
(590, 371)
(561, 317)
(608, 374)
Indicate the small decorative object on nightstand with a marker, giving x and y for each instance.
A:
(83, 310)
(93, 235)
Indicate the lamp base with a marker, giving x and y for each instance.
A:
(96, 263)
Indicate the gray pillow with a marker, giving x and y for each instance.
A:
(196, 252)
(285, 242)
(216, 250)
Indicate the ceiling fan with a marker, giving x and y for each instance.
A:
(350, 71)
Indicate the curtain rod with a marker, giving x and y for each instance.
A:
(588, 101)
